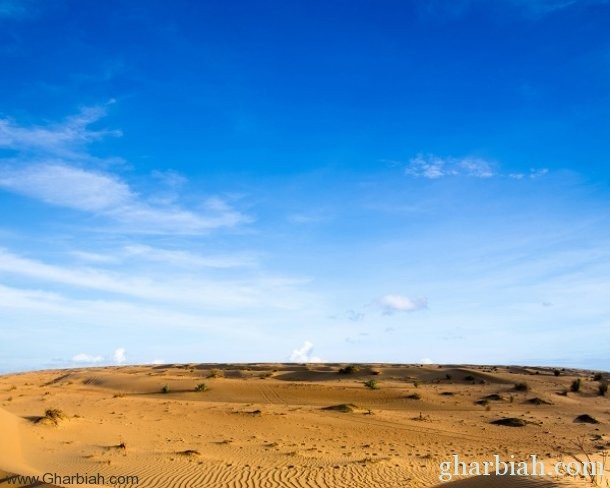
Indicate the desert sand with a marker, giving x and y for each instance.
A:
(288, 425)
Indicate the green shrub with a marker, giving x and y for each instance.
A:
(372, 384)
(556, 372)
(602, 388)
(598, 377)
(165, 389)
(201, 387)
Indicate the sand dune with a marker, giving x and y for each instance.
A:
(269, 425)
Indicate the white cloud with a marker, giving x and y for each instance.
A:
(304, 354)
(65, 139)
(157, 361)
(391, 304)
(94, 257)
(49, 168)
(434, 167)
(108, 196)
(261, 292)
(532, 174)
(86, 358)
(119, 356)
(426, 361)
(65, 186)
(187, 259)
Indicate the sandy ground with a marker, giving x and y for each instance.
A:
(266, 425)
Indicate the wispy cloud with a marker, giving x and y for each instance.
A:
(87, 358)
(65, 186)
(182, 289)
(391, 304)
(433, 167)
(188, 259)
(66, 139)
(48, 168)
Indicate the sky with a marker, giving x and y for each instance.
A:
(337, 181)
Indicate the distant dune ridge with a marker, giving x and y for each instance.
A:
(297, 425)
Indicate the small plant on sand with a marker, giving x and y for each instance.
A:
(165, 389)
(575, 385)
(201, 387)
(448, 377)
(372, 384)
(602, 388)
(556, 372)
(216, 373)
(521, 387)
(351, 369)
(468, 377)
(52, 416)
(597, 377)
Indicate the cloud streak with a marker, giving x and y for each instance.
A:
(183, 289)
(48, 168)
(391, 304)
(432, 167)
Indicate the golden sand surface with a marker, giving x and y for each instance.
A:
(291, 425)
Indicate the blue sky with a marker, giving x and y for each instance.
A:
(395, 181)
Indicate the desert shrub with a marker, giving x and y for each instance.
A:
(201, 387)
(416, 384)
(448, 376)
(521, 386)
(54, 414)
(216, 373)
(165, 389)
(556, 372)
(372, 384)
(575, 385)
(597, 377)
(414, 396)
(602, 388)
(351, 369)
(468, 377)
